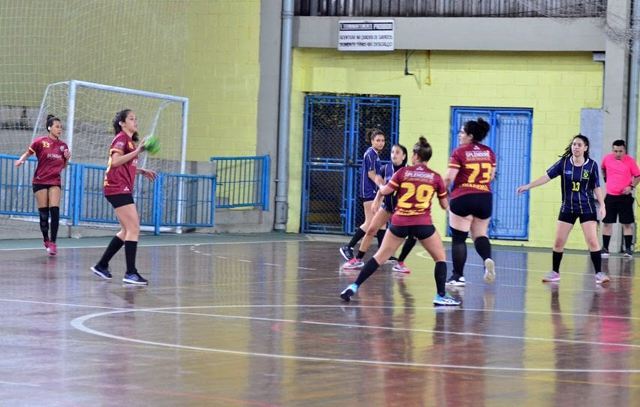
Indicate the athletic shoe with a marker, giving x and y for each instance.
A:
(446, 300)
(628, 253)
(489, 270)
(551, 277)
(392, 260)
(602, 278)
(52, 249)
(46, 245)
(458, 281)
(400, 267)
(346, 252)
(134, 278)
(604, 253)
(349, 292)
(101, 272)
(353, 264)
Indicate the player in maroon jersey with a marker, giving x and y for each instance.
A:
(415, 185)
(472, 167)
(53, 155)
(118, 190)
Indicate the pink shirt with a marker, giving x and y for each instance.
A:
(619, 173)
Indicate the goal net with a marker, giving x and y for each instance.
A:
(87, 111)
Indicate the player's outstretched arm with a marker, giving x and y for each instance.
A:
(536, 183)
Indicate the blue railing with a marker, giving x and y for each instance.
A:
(171, 200)
(242, 181)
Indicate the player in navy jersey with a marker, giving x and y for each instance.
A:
(416, 186)
(382, 216)
(472, 167)
(53, 155)
(119, 181)
(370, 180)
(579, 181)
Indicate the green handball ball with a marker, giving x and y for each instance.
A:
(152, 145)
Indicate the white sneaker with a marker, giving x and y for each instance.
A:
(459, 281)
(489, 270)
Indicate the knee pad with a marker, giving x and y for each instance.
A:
(458, 236)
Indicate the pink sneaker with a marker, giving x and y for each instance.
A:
(52, 249)
(400, 267)
(551, 277)
(46, 245)
(353, 264)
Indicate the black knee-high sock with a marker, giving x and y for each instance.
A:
(440, 274)
(596, 259)
(369, 268)
(557, 258)
(628, 241)
(130, 249)
(55, 222)
(44, 222)
(605, 241)
(406, 248)
(380, 236)
(458, 251)
(356, 237)
(115, 245)
(483, 247)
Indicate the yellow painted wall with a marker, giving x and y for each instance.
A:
(222, 77)
(555, 85)
(205, 50)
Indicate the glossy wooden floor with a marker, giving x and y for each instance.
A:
(256, 321)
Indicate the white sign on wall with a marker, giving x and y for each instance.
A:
(365, 35)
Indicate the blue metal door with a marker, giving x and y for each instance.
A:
(510, 139)
(335, 129)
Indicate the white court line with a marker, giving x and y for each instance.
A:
(18, 384)
(79, 324)
(141, 244)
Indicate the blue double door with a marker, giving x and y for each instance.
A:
(335, 128)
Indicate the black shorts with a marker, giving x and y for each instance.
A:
(39, 187)
(570, 217)
(478, 205)
(420, 232)
(619, 206)
(119, 200)
(389, 203)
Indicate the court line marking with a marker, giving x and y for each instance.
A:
(79, 324)
(148, 244)
(427, 256)
(567, 314)
(18, 384)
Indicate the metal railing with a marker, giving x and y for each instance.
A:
(171, 200)
(242, 181)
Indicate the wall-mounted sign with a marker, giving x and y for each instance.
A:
(365, 35)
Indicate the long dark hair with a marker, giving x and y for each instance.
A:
(50, 120)
(477, 128)
(120, 117)
(404, 151)
(423, 149)
(567, 151)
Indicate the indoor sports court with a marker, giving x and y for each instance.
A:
(255, 320)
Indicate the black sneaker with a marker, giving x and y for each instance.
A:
(628, 253)
(604, 253)
(135, 279)
(346, 252)
(101, 272)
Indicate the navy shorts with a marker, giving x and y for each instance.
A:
(570, 217)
